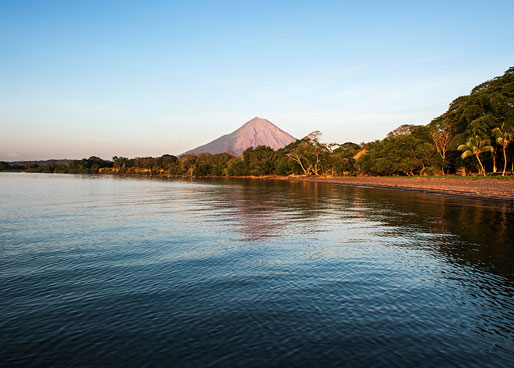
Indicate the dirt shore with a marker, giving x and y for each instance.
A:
(488, 188)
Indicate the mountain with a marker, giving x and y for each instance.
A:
(254, 133)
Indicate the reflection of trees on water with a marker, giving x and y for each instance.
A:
(465, 231)
(464, 247)
(475, 236)
(469, 232)
(257, 212)
(265, 208)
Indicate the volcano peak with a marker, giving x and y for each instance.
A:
(255, 132)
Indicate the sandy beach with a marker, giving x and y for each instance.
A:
(488, 188)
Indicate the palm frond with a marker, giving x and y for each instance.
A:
(466, 154)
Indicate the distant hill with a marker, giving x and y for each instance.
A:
(41, 162)
(254, 133)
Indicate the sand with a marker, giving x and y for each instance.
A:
(487, 188)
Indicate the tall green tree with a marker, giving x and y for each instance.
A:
(476, 145)
(504, 135)
(260, 160)
(410, 153)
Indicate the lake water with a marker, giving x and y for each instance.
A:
(110, 271)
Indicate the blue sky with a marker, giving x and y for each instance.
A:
(141, 78)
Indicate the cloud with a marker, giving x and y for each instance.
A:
(13, 155)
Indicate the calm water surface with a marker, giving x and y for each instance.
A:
(108, 271)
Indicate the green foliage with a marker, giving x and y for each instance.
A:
(310, 155)
(89, 165)
(4, 166)
(260, 161)
(202, 170)
(486, 109)
(406, 154)
(504, 135)
(187, 164)
(122, 162)
(341, 161)
(476, 144)
(237, 167)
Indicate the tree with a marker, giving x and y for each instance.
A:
(341, 159)
(504, 135)
(187, 164)
(401, 130)
(483, 126)
(309, 153)
(145, 162)
(442, 135)
(122, 162)
(485, 108)
(475, 145)
(202, 170)
(236, 167)
(4, 166)
(403, 154)
(259, 160)
(218, 163)
(166, 161)
(89, 165)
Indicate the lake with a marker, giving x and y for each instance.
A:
(113, 271)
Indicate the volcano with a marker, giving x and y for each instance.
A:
(256, 132)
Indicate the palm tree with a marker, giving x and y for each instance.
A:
(503, 137)
(476, 145)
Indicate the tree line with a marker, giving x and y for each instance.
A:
(475, 135)
(90, 165)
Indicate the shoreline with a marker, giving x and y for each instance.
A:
(485, 189)
(491, 189)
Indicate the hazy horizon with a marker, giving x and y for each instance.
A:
(146, 79)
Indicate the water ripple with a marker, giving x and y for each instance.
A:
(106, 271)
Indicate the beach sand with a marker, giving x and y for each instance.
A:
(487, 188)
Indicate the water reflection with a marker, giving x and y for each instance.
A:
(470, 232)
(465, 231)
(472, 237)
(99, 270)
(257, 212)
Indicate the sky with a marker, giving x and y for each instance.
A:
(146, 78)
